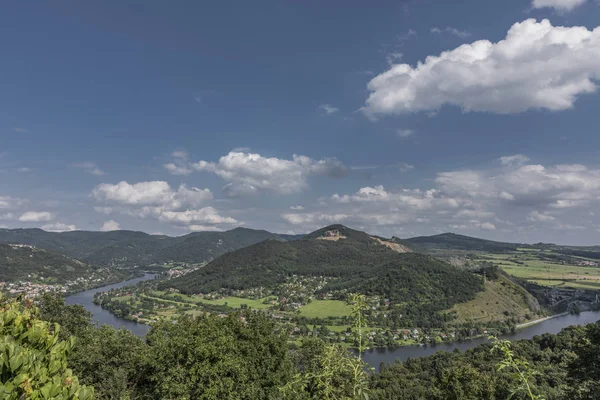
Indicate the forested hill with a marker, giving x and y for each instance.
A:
(453, 241)
(361, 263)
(136, 248)
(32, 264)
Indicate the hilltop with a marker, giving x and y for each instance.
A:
(453, 241)
(358, 262)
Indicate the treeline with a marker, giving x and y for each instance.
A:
(245, 356)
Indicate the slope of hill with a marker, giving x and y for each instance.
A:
(416, 283)
(128, 248)
(19, 262)
(501, 298)
(453, 241)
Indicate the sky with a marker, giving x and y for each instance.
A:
(406, 118)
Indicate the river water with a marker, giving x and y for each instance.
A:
(374, 356)
(105, 317)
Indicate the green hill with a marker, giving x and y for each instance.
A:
(453, 241)
(32, 264)
(128, 248)
(418, 284)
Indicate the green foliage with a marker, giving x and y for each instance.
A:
(208, 357)
(33, 359)
(113, 361)
(522, 371)
(332, 372)
(29, 264)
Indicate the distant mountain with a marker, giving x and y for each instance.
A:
(453, 241)
(127, 248)
(26, 263)
(419, 284)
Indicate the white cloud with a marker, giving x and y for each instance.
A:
(559, 5)
(36, 216)
(328, 109)
(89, 167)
(450, 30)
(11, 202)
(24, 169)
(537, 66)
(404, 133)
(151, 193)
(297, 208)
(110, 226)
(536, 216)
(7, 216)
(205, 215)
(21, 130)
(175, 169)
(517, 159)
(405, 167)
(312, 218)
(157, 200)
(59, 227)
(180, 165)
(393, 57)
(248, 173)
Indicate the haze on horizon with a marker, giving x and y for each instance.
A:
(410, 118)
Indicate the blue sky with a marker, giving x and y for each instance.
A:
(412, 117)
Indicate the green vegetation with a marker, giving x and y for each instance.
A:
(501, 298)
(33, 360)
(127, 248)
(244, 356)
(452, 241)
(325, 308)
(26, 263)
(418, 286)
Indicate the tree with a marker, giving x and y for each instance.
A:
(33, 359)
(240, 356)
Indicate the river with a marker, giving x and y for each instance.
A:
(105, 317)
(374, 356)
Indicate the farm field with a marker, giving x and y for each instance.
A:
(325, 308)
(528, 264)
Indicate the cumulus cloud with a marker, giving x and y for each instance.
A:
(559, 5)
(59, 227)
(110, 225)
(537, 66)
(157, 200)
(328, 109)
(151, 193)
(89, 167)
(248, 173)
(515, 196)
(180, 164)
(536, 216)
(36, 216)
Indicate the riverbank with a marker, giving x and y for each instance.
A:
(537, 321)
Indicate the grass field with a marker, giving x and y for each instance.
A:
(325, 308)
(526, 264)
(235, 302)
(490, 305)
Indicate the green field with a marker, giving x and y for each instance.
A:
(234, 302)
(325, 308)
(526, 264)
